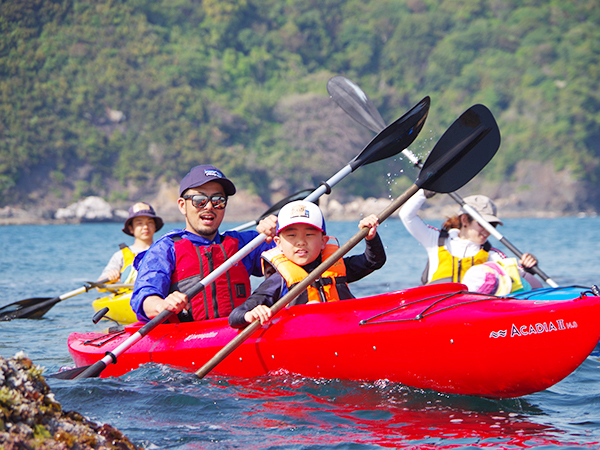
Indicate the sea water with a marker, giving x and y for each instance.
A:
(160, 407)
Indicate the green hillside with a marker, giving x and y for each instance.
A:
(101, 97)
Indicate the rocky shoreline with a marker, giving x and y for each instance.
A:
(245, 207)
(31, 418)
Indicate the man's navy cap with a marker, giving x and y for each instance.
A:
(203, 174)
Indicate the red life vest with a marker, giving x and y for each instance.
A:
(195, 262)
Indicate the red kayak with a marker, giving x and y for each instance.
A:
(436, 337)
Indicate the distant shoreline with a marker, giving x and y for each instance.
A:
(333, 211)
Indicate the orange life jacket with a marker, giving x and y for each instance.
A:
(331, 286)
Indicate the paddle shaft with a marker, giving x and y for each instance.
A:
(37, 307)
(245, 226)
(41, 306)
(302, 285)
(111, 357)
(368, 116)
(105, 285)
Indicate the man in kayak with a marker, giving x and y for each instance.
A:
(142, 223)
(181, 258)
(302, 244)
(462, 242)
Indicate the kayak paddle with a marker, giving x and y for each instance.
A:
(351, 98)
(35, 308)
(460, 154)
(390, 141)
(300, 195)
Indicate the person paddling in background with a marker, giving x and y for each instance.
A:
(181, 258)
(142, 223)
(302, 244)
(461, 243)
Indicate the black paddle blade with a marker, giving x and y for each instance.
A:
(69, 374)
(300, 195)
(395, 137)
(447, 168)
(355, 102)
(30, 308)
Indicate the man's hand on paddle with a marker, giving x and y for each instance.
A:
(175, 301)
(268, 226)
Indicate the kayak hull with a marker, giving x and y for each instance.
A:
(432, 337)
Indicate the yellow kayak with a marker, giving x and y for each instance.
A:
(118, 306)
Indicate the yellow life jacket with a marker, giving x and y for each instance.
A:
(128, 257)
(452, 269)
(331, 286)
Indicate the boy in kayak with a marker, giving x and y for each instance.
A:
(181, 258)
(462, 243)
(302, 244)
(142, 223)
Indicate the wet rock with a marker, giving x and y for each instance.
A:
(31, 418)
(90, 209)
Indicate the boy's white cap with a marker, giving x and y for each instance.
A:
(300, 211)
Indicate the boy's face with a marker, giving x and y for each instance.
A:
(301, 243)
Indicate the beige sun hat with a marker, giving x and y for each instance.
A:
(484, 206)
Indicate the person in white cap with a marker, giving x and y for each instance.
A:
(181, 258)
(302, 244)
(142, 223)
(461, 243)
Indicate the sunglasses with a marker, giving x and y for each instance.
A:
(217, 201)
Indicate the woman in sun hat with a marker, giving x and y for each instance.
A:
(462, 242)
(142, 223)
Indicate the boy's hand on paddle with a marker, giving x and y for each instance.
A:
(268, 226)
(261, 312)
(370, 222)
